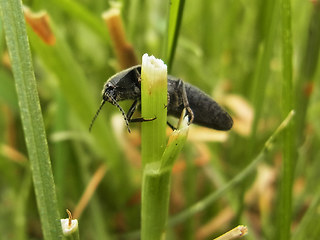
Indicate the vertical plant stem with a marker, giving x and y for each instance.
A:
(31, 117)
(288, 162)
(153, 105)
(155, 186)
(155, 200)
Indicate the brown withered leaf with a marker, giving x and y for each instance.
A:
(124, 51)
(39, 22)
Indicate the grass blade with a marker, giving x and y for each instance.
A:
(175, 18)
(288, 157)
(307, 70)
(31, 117)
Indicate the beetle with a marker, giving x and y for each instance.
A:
(202, 109)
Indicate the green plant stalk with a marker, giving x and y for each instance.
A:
(155, 184)
(207, 201)
(32, 121)
(155, 201)
(153, 105)
(174, 23)
(307, 71)
(288, 157)
(156, 187)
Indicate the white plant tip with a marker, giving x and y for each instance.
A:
(112, 12)
(184, 123)
(67, 228)
(155, 69)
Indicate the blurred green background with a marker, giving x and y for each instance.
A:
(232, 50)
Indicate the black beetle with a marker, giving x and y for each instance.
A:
(202, 110)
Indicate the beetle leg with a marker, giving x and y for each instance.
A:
(183, 91)
(171, 126)
(132, 110)
(142, 119)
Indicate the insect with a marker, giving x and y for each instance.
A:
(202, 110)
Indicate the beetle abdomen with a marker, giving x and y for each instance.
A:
(207, 112)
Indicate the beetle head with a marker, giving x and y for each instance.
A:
(121, 86)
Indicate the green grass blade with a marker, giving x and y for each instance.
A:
(175, 18)
(307, 70)
(35, 136)
(284, 211)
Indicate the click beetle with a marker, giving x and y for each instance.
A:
(202, 109)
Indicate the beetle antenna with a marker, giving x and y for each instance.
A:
(96, 115)
(114, 102)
